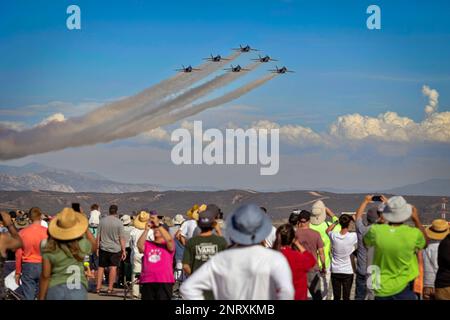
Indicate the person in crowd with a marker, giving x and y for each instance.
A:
(157, 263)
(22, 221)
(69, 242)
(110, 246)
(312, 241)
(373, 215)
(343, 243)
(188, 228)
(320, 212)
(8, 241)
(125, 265)
(438, 232)
(248, 270)
(94, 218)
(300, 260)
(201, 248)
(179, 248)
(293, 218)
(139, 224)
(269, 241)
(28, 258)
(396, 245)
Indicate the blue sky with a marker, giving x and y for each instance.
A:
(125, 46)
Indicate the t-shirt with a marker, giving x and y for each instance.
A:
(395, 256)
(65, 268)
(94, 218)
(361, 253)
(322, 229)
(311, 240)
(300, 264)
(187, 228)
(199, 249)
(31, 251)
(127, 234)
(136, 256)
(110, 231)
(157, 264)
(271, 237)
(342, 246)
(443, 274)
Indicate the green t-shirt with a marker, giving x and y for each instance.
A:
(65, 267)
(199, 249)
(322, 228)
(395, 255)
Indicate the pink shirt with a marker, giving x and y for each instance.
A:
(157, 264)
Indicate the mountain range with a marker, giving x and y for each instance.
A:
(36, 176)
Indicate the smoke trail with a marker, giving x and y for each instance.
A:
(57, 135)
(181, 101)
(157, 92)
(167, 119)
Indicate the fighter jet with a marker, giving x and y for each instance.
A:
(280, 70)
(264, 59)
(238, 68)
(187, 69)
(245, 49)
(217, 58)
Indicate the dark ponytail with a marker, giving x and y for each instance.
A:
(284, 237)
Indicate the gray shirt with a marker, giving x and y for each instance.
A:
(361, 253)
(110, 232)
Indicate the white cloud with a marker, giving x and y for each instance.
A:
(433, 99)
(57, 117)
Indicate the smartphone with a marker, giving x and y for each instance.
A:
(377, 199)
(76, 207)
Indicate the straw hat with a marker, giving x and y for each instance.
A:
(141, 220)
(438, 229)
(68, 225)
(318, 212)
(197, 211)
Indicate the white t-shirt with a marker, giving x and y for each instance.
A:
(342, 246)
(94, 218)
(243, 273)
(44, 223)
(270, 240)
(187, 228)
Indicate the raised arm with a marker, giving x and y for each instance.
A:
(143, 238)
(362, 207)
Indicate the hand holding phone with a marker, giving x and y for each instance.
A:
(377, 199)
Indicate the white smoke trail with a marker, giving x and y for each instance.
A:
(433, 99)
(181, 101)
(57, 135)
(173, 117)
(157, 92)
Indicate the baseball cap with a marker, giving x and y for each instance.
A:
(206, 218)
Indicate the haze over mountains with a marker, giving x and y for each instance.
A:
(35, 176)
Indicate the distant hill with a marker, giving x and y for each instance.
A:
(278, 204)
(35, 176)
(433, 187)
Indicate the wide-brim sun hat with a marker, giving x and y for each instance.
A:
(126, 219)
(397, 210)
(141, 220)
(178, 219)
(318, 212)
(248, 225)
(438, 230)
(68, 225)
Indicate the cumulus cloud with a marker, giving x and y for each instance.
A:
(57, 117)
(433, 99)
